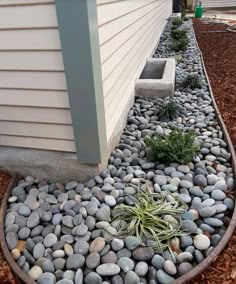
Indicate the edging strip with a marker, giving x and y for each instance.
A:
(230, 229)
(16, 269)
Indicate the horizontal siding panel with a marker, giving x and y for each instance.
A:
(141, 17)
(37, 143)
(33, 80)
(113, 80)
(127, 47)
(35, 16)
(44, 39)
(124, 94)
(106, 32)
(24, 2)
(102, 2)
(219, 3)
(31, 60)
(110, 12)
(128, 75)
(56, 131)
(42, 115)
(34, 98)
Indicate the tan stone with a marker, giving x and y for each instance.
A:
(20, 245)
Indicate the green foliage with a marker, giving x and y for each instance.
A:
(177, 22)
(178, 147)
(191, 81)
(178, 34)
(185, 18)
(168, 110)
(179, 45)
(146, 221)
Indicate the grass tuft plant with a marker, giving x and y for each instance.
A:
(178, 34)
(191, 81)
(168, 110)
(178, 146)
(146, 221)
(179, 45)
(177, 22)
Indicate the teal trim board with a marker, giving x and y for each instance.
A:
(78, 29)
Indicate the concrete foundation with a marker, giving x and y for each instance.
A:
(50, 165)
(157, 78)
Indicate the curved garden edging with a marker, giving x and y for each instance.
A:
(183, 279)
(230, 229)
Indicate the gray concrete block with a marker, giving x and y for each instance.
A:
(157, 78)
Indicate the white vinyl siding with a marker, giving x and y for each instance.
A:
(34, 106)
(129, 30)
(219, 3)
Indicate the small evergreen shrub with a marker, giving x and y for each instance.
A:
(178, 34)
(177, 22)
(185, 18)
(191, 81)
(179, 45)
(178, 147)
(168, 110)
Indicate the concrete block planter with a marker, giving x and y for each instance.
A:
(157, 78)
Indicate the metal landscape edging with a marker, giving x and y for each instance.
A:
(20, 274)
(230, 229)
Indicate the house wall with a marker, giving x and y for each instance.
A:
(219, 3)
(129, 30)
(34, 106)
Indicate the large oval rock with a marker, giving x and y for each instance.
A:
(144, 253)
(163, 277)
(108, 269)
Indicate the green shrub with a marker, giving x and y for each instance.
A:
(191, 81)
(146, 221)
(179, 45)
(168, 110)
(178, 34)
(177, 22)
(185, 18)
(178, 147)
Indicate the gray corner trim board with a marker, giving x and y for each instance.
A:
(78, 29)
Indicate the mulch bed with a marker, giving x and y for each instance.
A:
(6, 275)
(219, 52)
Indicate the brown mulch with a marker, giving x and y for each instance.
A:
(6, 275)
(219, 52)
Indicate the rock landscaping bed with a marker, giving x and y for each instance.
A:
(143, 219)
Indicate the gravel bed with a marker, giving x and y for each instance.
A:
(66, 234)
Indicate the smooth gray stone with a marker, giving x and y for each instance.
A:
(163, 277)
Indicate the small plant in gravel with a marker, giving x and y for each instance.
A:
(191, 81)
(185, 18)
(178, 34)
(179, 45)
(146, 220)
(168, 110)
(177, 22)
(178, 147)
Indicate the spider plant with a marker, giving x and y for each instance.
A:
(145, 220)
